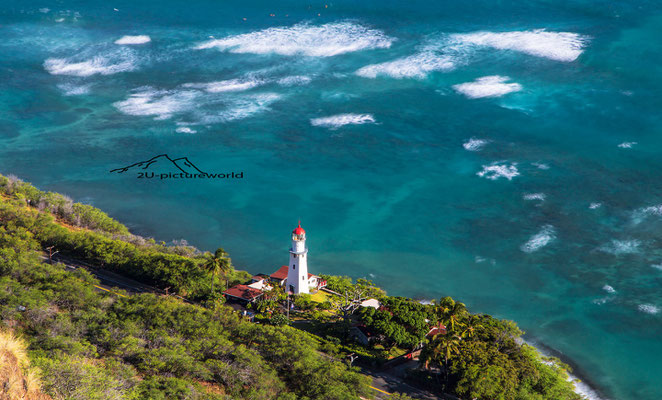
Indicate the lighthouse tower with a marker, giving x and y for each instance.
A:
(297, 273)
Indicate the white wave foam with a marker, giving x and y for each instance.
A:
(581, 388)
(474, 144)
(103, 65)
(627, 145)
(336, 121)
(642, 213)
(534, 196)
(480, 260)
(593, 206)
(608, 289)
(74, 90)
(539, 240)
(653, 210)
(310, 40)
(657, 266)
(295, 80)
(487, 86)
(496, 171)
(618, 247)
(44, 10)
(649, 308)
(245, 107)
(646, 211)
(230, 85)
(185, 129)
(138, 39)
(584, 389)
(559, 46)
(161, 104)
(602, 300)
(414, 66)
(542, 166)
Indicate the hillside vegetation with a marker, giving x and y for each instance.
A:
(95, 345)
(92, 345)
(17, 379)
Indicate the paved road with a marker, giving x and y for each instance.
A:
(110, 281)
(391, 382)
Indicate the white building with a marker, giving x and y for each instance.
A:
(295, 276)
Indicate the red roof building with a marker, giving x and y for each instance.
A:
(437, 330)
(243, 292)
(280, 275)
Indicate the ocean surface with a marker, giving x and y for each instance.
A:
(506, 153)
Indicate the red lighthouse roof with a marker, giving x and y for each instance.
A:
(299, 230)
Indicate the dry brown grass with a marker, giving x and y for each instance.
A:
(17, 380)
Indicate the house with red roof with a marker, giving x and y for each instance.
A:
(294, 277)
(243, 293)
(280, 278)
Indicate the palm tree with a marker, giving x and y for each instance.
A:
(471, 326)
(217, 262)
(451, 313)
(442, 348)
(468, 332)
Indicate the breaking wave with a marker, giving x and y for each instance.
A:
(495, 171)
(295, 80)
(74, 90)
(230, 85)
(539, 240)
(534, 196)
(244, 107)
(618, 247)
(580, 387)
(559, 46)
(650, 210)
(185, 129)
(602, 300)
(138, 39)
(627, 145)
(336, 121)
(310, 40)
(608, 289)
(649, 308)
(101, 64)
(487, 86)
(474, 144)
(161, 104)
(414, 66)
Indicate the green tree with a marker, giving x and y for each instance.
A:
(451, 313)
(442, 350)
(215, 263)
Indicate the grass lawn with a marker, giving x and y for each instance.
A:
(321, 296)
(393, 353)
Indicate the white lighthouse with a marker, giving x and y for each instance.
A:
(297, 273)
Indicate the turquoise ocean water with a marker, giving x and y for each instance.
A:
(505, 153)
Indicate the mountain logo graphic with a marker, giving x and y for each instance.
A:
(163, 167)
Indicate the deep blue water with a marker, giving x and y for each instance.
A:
(505, 153)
